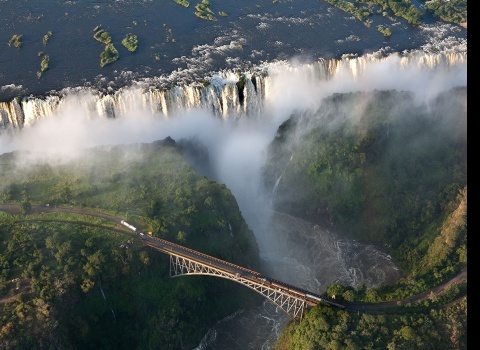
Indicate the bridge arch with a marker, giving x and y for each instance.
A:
(282, 298)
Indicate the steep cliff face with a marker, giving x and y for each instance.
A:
(378, 166)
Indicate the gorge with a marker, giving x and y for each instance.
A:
(226, 125)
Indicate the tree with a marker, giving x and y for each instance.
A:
(25, 207)
(349, 295)
(94, 264)
(181, 236)
(335, 290)
(144, 258)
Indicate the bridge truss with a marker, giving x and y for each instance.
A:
(293, 306)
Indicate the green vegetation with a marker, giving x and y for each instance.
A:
(400, 8)
(46, 38)
(326, 328)
(184, 3)
(103, 36)
(386, 31)
(364, 9)
(357, 179)
(110, 54)
(361, 13)
(223, 14)
(203, 11)
(454, 11)
(130, 42)
(384, 168)
(16, 40)
(75, 281)
(43, 64)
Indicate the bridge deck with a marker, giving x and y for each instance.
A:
(186, 261)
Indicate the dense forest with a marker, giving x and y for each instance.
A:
(69, 280)
(390, 168)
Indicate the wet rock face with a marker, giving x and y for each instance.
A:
(311, 257)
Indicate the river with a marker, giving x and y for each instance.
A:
(307, 256)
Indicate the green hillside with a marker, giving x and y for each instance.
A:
(70, 280)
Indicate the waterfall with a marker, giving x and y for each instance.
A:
(219, 95)
(105, 298)
(274, 191)
(103, 294)
(11, 115)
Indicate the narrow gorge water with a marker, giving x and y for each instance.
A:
(305, 255)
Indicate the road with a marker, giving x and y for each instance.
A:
(460, 277)
(38, 209)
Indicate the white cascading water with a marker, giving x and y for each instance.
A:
(277, 182)
(221, 96)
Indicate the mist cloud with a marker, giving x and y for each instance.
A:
(236, 146)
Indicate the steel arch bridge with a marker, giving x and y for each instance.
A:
(292, 305)
(185, 261)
